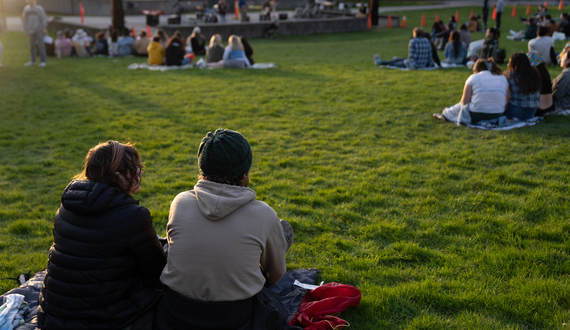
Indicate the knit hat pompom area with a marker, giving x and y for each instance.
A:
(224, 153)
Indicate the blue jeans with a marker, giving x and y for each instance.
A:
(397, 63)
(519, 112)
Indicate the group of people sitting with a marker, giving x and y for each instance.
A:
(522, 91)
(160, 48)
(107, 268)
(177, 51)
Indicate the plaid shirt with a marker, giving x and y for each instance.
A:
(517, 98)
(419, 54)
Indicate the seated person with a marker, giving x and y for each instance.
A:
(114, 44)
(490, 44)
(529, 33)
(455, 50)
(484, 96)
(163, 36)
(81, 44)
(197, 41)
(552, 27)
(104, 266)
(564, 24)
(524, 87)
(473, 24)
(464, 34)
(445, 35)
(141, 44)
(156, 52)
(452, 22)
(215, 52)
(561, 84)
(175, 52)
(247, 50)
(62, 45)
(434, 55)
(224, 245)
(419, 54)
(436, 28)
(234, 56)
(546, 102)
(102, 46)
(540, 12)
(544, 45)
(126, 43)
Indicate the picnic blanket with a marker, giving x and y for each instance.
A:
(443, 66)
(145, 66)
(288, 290)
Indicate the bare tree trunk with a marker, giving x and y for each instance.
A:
(117, 16)
(2, 16)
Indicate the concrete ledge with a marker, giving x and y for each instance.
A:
(286, 27)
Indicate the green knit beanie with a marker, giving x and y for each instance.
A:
(224, 153)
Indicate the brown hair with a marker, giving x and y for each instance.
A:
(525, 75)
(483, 65)
(234, 181)
(105, 159)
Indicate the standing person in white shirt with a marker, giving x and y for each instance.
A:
(544, 45)
(34, 21)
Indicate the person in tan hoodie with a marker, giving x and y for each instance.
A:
(224, 245)
(141, 44)
(156, 52)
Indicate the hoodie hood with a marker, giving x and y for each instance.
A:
(217, 200)
(88, 197)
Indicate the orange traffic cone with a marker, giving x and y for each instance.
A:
(494, 13)
(528, 10)
(561, 5)
(148, 31)
(423, 23)
(514, 13)
(134, 32)
(82, 12)
(369, 23)
(404, 24)
(389, 21)
(236, 9)
(457, 16)
(437, 17)
(545, 4)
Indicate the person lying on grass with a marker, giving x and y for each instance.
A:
(419, 54)
(484, 96)
(224, 246)
(105, 262)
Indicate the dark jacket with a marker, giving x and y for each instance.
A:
(105, 262)
(198, 45)
(174, 53)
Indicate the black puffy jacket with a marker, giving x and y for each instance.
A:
(105, 262)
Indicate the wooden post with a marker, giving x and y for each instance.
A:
(117, 16)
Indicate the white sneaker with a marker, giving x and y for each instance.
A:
(377, 59)
(42, 65)
(30, 63)
(201, 64)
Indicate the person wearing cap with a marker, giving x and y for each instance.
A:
(224, 245)
(34, 21)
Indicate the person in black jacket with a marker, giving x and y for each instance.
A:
(175, 52)
(104, 265)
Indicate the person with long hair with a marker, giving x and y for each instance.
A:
(114, 43)
(524, 87)
(101, 44)
(234, 56)
(455, 50)
(215, 52)
(546, 101)
(104, 265)
(561, 84)
(163, 36)
(484, 96)
(434, 55)
(197, 41)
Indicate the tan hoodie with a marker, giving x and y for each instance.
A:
(218, 237)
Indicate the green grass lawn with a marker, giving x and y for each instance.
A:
(440, 226)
